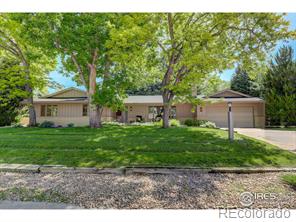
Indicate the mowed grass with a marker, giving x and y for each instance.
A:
(115, 146)
(290, 179)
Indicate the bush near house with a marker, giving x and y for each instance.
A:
(47, 124)
(200, 123)
(70, 125)
(173, 122)
(208, 124)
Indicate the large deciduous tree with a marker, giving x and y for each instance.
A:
(280, 89)
(84, 42)
(35, 64)
(212, 84)
(12, 89)
(189, 47)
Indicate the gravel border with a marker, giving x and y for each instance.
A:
(155, 191)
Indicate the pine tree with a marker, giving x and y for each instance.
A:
(241, 81)
(280, 89)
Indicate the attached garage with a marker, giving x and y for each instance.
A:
(247, 111)
(242, 116)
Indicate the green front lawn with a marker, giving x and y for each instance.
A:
(290, 179)
(115, 146)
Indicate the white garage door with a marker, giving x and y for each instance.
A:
(242, 116)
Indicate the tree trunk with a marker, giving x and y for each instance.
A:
(166, 111)
(29, 90)
(32, 113)
(100, 112)
(94, 115)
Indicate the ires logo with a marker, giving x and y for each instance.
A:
(248, 198)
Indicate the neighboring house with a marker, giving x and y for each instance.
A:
(71, 106)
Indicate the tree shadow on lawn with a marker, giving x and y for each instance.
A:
(115, 146)
(183, 147)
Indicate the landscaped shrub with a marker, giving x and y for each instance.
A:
(201, 123)
(70, 125)
(188, 122)
(158, 123)
(174, 122)
(113, 123)
(194, 122)
(47, 124)
(208, 124)
(141, 124)
(16, 125)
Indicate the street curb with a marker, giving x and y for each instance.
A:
(19, 168)
(27, 168)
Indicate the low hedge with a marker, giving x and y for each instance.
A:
(200, 123)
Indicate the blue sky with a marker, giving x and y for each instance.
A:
(226, 75)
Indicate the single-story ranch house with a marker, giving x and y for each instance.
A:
(71, 106)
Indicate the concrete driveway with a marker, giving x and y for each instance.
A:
(281, 138)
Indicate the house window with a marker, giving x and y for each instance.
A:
(52, 110)
(43, 108)
(173, 112)
(155, 113)
(84, 110)
(200, 109)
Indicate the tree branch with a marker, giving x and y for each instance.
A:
(107, 67)
(95, 55)
(171, 28)
(80, 71)
(11, 50)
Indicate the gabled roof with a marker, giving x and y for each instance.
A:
(231, 94)
(250, 99)
(55, 94)
(226, 95)
(56, 100)
(144, 99)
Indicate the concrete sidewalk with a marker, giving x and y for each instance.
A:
(7, 204)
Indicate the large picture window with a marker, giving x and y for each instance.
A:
(52, 110)
(155, 113)
(49, 110)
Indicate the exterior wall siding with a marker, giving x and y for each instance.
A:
(184, 111)
(72, 113)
